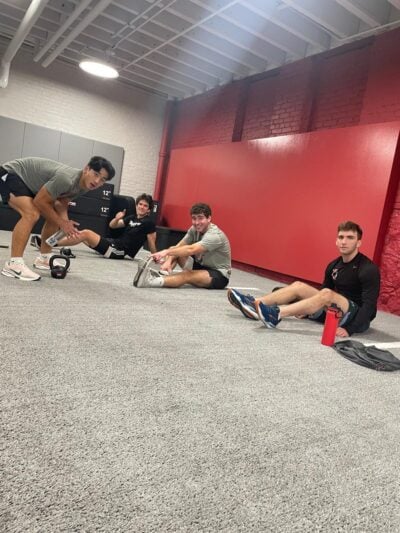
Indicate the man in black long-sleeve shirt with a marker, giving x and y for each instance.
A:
(351, 282)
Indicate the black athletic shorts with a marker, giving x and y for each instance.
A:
(218, 280)
(319, 316)
(109, 248)
(11, 183)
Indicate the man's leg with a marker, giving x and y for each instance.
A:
(146, 277)
(198, 278)
(246, 303)
(16, 268)
(168, 266)
(29, 216)
(272, 314)
(42, 262)
(87, 236)
(295, 291)
(49, 227)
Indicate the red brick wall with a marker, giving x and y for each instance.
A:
(341, 85)
(389, 299)
(259, 109)
(354, 84)
(293, 98)
(382, 97)
(206, 119)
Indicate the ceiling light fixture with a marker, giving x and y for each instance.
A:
(98, 69)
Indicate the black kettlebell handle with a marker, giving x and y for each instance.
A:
(59, 271)
(66, 259)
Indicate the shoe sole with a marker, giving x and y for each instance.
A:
(141, 273)
(267, 324)
(41, 267)
(232, 299)
(245, 312)
(249, 313)
(11, 274)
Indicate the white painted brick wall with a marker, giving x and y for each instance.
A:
(64, 98)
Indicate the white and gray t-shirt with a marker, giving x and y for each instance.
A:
(218, 250)
(61, 181)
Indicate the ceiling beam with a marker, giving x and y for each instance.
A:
(331, 16)
(93, 13)
(169, 41)
(369, 11)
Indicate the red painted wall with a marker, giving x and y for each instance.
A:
(354, 84)
(280, 199)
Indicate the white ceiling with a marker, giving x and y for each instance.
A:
(178, 48)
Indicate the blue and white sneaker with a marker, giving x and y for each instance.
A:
(268, 314)
(243, 302)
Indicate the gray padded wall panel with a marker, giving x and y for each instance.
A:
(41, 142)
(20, 139)
(11, 137)
(75, 151)
(115, 154)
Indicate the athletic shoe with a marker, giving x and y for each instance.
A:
(243, 302)
(43, 263)
(36, 241)
(143, 268)
(148, 279)
(269, 314)
(19, 271)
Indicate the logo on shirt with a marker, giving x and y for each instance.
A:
(133, 224)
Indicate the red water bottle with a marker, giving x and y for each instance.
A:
(333, 314)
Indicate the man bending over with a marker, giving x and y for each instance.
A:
(351, 282)
(35, 186)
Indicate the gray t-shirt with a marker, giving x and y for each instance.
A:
(218, 250)
(61, 181)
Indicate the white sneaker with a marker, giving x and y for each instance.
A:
(151, 278)
(42, 263)
(19, 271)
(143, 268)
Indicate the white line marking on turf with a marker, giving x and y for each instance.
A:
(245, 288)
(383, 344)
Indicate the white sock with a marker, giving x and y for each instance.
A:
(45, 256)
(157, 282)
(18, 260)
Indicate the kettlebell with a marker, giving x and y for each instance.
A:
(67, 252)
(59, 271)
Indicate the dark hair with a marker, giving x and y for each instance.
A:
(348, 225)
(97, 163)
(147, 198)
(201, 209)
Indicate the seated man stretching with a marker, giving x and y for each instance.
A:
(351, 282)
(208, 246)
(137, 228)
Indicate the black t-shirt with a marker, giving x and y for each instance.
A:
(135, 234)
(359, 281)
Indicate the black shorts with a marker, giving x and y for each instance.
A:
(12, 184)
(218, 280)
(319, 316)
(109, 248)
